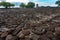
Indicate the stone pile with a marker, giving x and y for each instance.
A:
(29, 24)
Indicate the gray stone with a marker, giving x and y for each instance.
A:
(10, 37)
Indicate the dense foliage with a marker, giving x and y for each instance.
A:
(22, 5)
(29, 5)
(58, 3)
(6, 4)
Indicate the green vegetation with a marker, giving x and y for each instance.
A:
(22, 5)
(29, 5)
(58, 3)
(6, 4)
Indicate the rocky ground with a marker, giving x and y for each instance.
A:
(30, 24)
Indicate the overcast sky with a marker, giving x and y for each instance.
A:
(40, 2)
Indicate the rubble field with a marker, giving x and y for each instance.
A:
(30, 24)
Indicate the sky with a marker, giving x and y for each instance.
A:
(40, 2)
(45, 2)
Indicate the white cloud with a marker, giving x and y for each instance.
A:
(45, 4)
(36, 2)
(25, 1)
(52, 3)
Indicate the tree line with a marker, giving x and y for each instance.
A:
(8, 5)
(29, 5)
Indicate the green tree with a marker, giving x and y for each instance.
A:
(6, 4)
(30, 5)
(22, 5)
(58, 3)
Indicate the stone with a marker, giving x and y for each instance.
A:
(23, 33)
(4, 29)
(57, 30)
(39, 30)
(34, 37)
(4, 34)
(50, 34)
(57, 33)
(16, 31)
(44, 38)
(11, 37)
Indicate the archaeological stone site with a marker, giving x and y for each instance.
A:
(30, 23)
